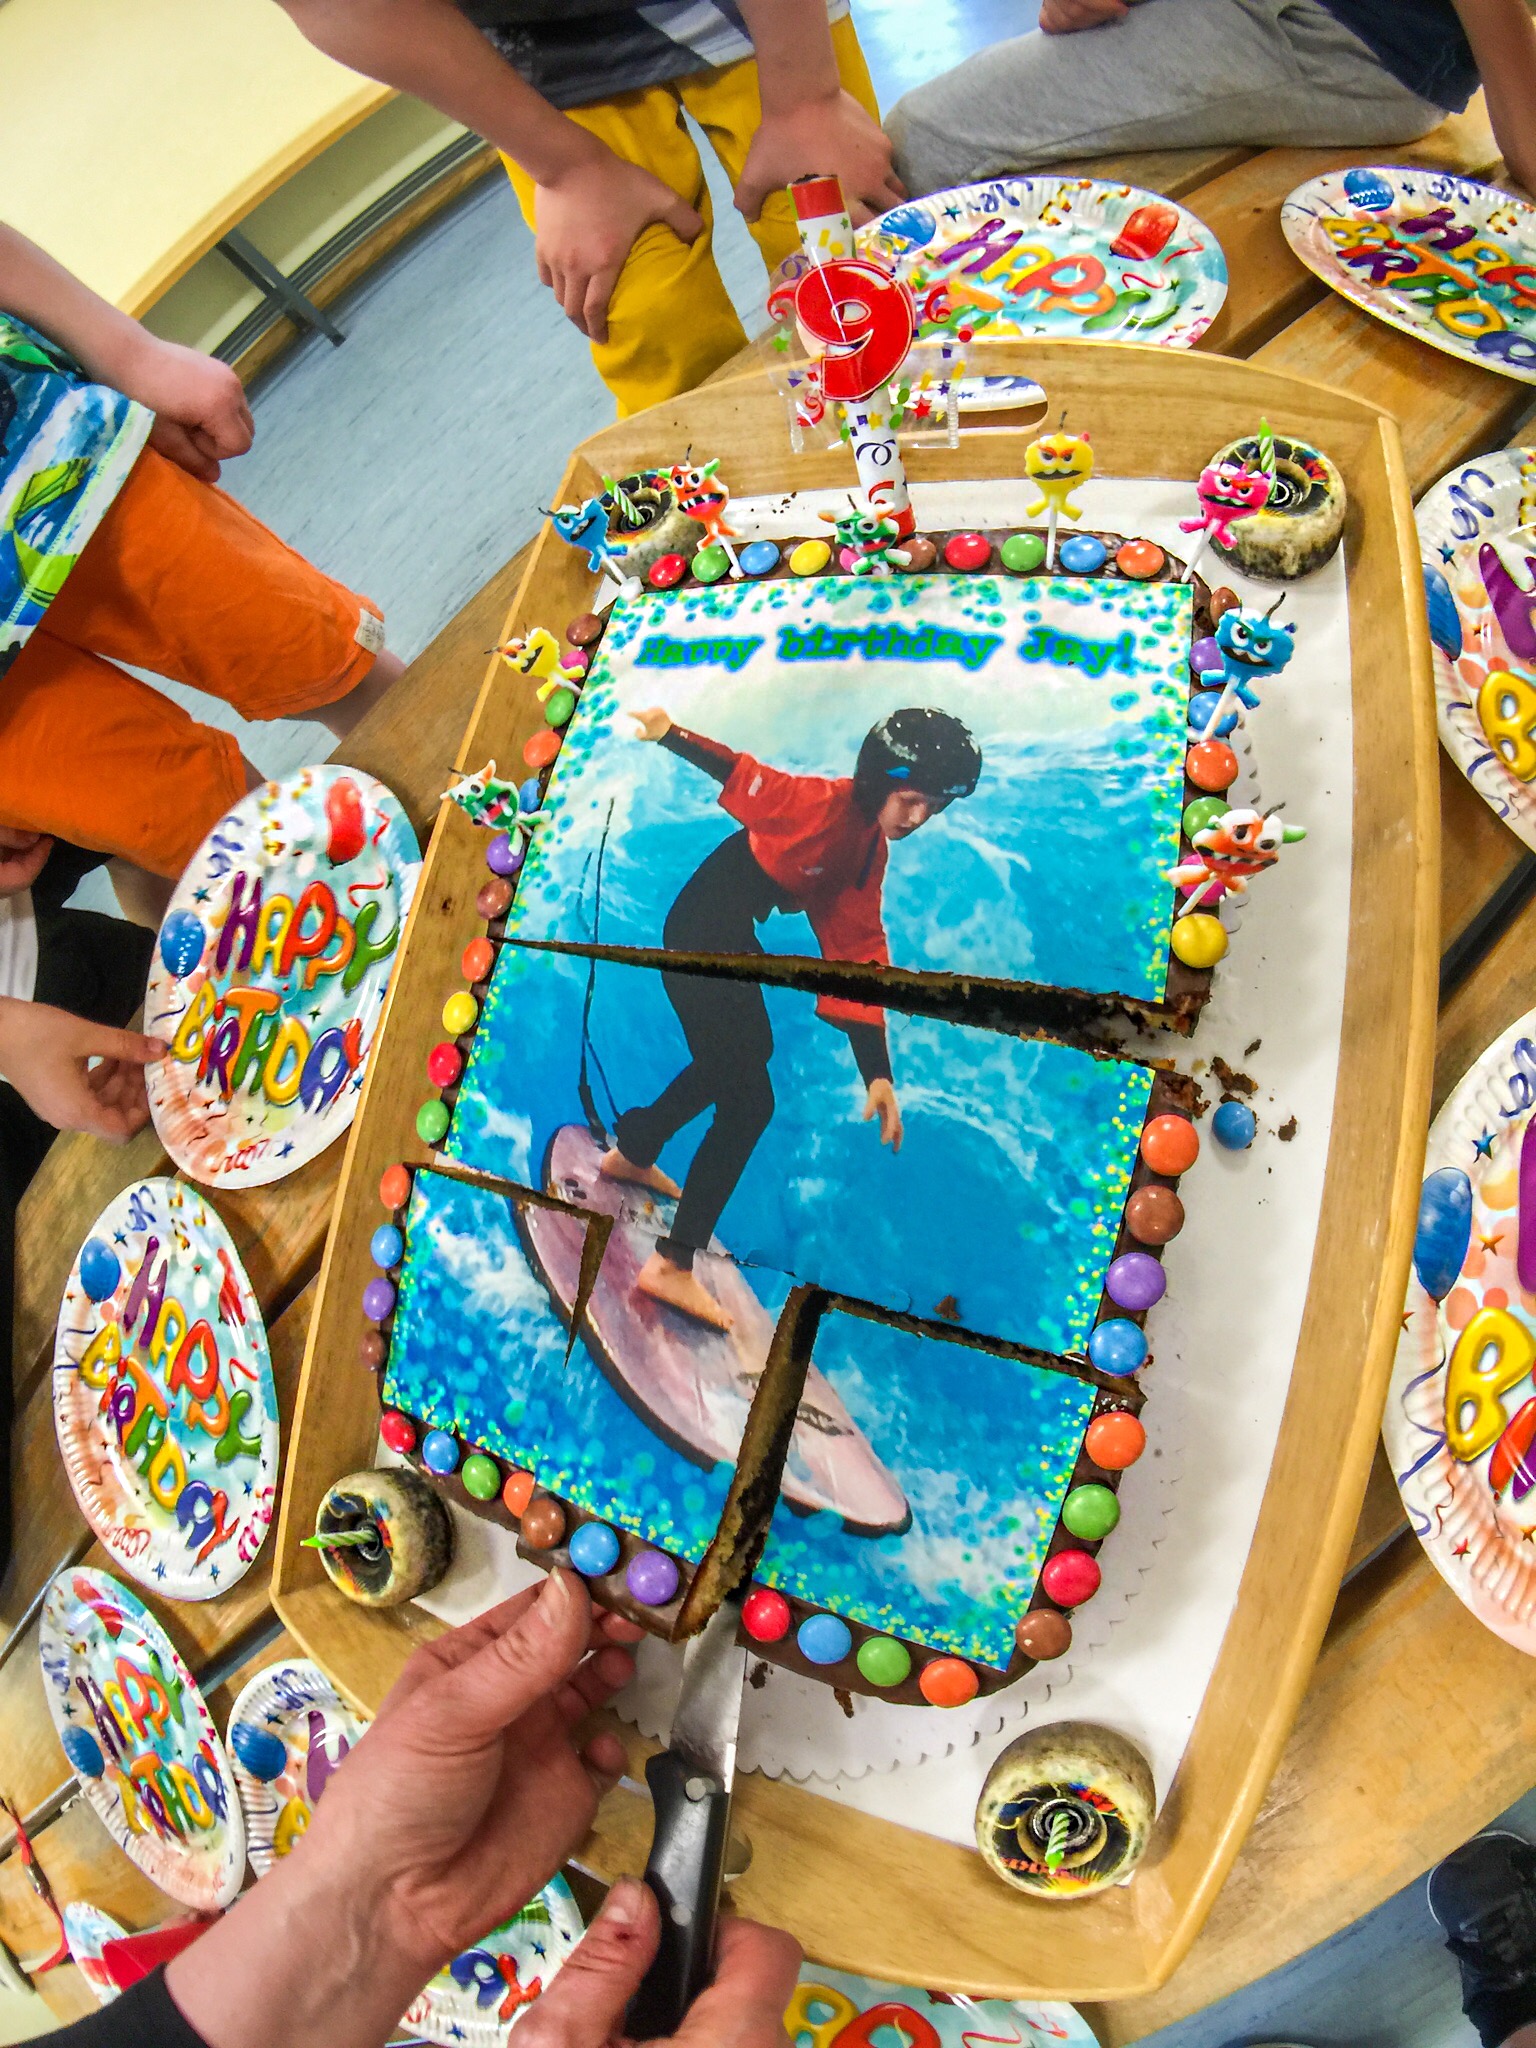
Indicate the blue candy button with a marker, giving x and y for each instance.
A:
(386, 1247)
(528, 795)
(1082, 553)
(1117, 1346)
(758, 557)
(823, 1639)
(439, 1451)
(594, 1549)
(1202, 713)
(1234, 1125)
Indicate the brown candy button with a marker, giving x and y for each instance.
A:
(493, 897)
(585, 630)
(543, 1523)
(919, 551)
(1043, 1634)
(372, 1350)
(1153, 1215)
(1223, 601)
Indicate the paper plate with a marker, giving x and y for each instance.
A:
(1448, 259)
(140, 1738)
(1460, 1421)
(162, 1393)
(483, 1993)
(88, 1930)
(271, 972)
(1058, 256)
(1478, 526)
(288, 1731)
(833, 2009)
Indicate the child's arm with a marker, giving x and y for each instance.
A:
(809, 123)
(590, 204)
(1065, 17)
(1503, 38)
(200, 411)
(46, 1056)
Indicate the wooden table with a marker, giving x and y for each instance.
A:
(1405, 1676)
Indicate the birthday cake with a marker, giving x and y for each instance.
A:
(770, 1130)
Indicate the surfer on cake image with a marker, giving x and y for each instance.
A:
(810, 844)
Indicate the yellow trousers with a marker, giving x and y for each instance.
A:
(670, 322)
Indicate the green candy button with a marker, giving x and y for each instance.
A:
(481, 1476)
(1023, 552)
(884, 1661)
(711, 563)
(1090, 1512)
(558, 707)
(432, 1121)
(1205, 810)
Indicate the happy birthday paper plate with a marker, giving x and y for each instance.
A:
(288, 1731)
(833, 2009)
(271, 972)
(88, 1930)
(1477, 537)
(162, 1393)
(1067, 257)
(482, 1994)
(1447, 259)
(1460, 1421)
(140, 1738)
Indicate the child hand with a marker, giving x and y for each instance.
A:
(23, 856)
(654, 724)
(589, 220)
(1064, 17)
(45, 1055)
(201, 417)
(834, 135)
(880, 1101)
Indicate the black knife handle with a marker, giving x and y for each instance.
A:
(684, 1871)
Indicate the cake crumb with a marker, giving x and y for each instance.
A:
(1231, 1080)
(757, 1677)
(1287, 1131)
(948, 1308)
(1200, 1101)
(1250, 1050)
(844, 1700)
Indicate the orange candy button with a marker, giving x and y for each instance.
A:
(1139, 558)
(394, 1187)
(1115, 1440)
(478, 958)
(947, 1682)
(1212, 765)
(517, 1492)
(1170, 1144)
(544, 746)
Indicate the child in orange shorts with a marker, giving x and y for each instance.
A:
(115, 546)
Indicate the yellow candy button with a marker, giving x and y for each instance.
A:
(1199, 941)
(461, 1009)
(810, 558)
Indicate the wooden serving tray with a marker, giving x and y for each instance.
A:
(864, 1894)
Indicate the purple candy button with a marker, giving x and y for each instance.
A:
(378, 1300)
(1135, 1280)
(652, 1577)
(1206, 655)
(504, 855)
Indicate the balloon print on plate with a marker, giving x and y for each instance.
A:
(140, 1738)
(271, 971)
(288, 1732)
(482, 1994)
(1477, 538)
(88, 1930)
(1460, 1420)
(1047, 255)
(1447, 259)
(162, 1393)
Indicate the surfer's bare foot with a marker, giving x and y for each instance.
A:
(614, 1166)
(679, 1288)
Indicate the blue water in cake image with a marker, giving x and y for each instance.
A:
(984, 1448)
(1074, 692)
(1003, 1201)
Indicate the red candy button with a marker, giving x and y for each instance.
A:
(1140, 559)
(397, 1430)
(445, 1063)
(544, 746)
(1115, 1440)
(1170, 1144)
(516, 1492)
(765, 1616)
(1211, 765)
(666, 571)
(477, 959)
(394, 1187)
(947, 1682)
(1070, 1578)
(967, 551)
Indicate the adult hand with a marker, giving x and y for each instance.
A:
(587, 221)
(653, 724)
(831, 134)
(46, 1055)
(23, 855)
(1064, 17)
(584, 2007)
(201, 414)
(880, 1101)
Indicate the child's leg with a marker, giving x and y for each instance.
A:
(670, 321)
(180, 579)
(727, 106)
(1170, 74)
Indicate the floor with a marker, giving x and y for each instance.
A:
(412, 462)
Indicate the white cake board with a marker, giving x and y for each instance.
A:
(1224, 1335)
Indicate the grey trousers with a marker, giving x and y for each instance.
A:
(1171, 74)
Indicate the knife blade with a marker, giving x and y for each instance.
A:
(690, 1782)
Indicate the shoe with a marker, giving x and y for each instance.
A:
(1484, 1897)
